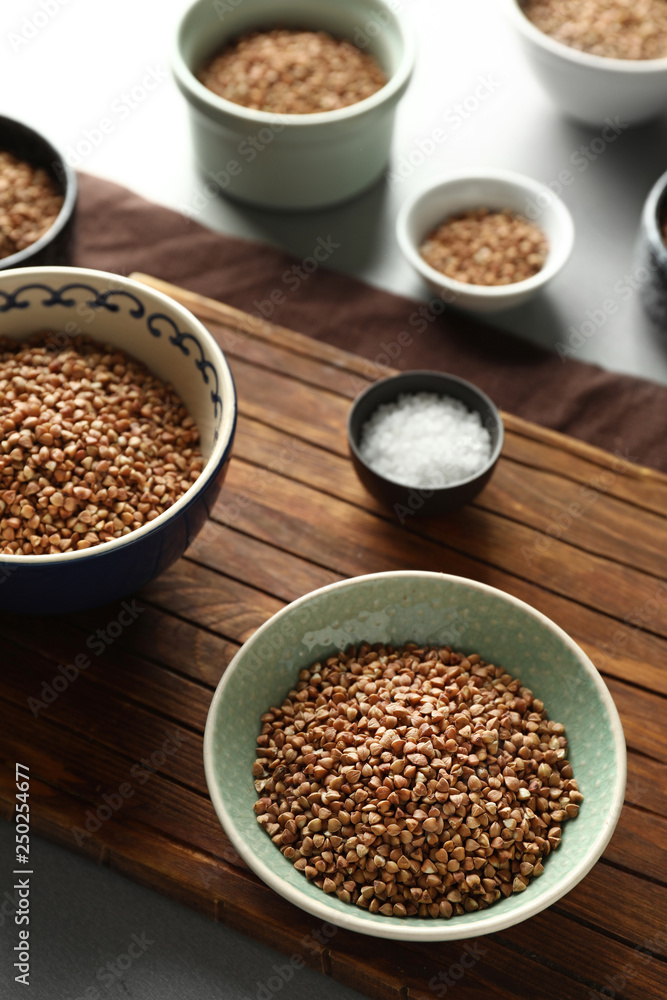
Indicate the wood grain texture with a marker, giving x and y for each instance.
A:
(576, 532)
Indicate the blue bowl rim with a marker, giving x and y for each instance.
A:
(442, 490)
(392, 928)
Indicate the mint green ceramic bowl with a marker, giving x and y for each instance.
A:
(399, 607)
(293, 161)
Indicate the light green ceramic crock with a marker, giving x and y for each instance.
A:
(428, 608)
(292, 161)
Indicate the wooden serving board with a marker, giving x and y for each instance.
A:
(579, 533)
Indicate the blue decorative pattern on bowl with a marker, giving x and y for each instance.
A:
(177, 348)
(100, 300)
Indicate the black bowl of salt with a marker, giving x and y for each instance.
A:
(424, 442)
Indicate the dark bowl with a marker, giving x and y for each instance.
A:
(653, 254)
(407, 501)
(55, 246)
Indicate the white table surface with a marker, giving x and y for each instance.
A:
(67, 64)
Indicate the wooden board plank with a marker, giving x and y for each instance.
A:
(207, 884)
(172, 642)
(134, 679)
(529, 443)
(633, 972)
(628, 908)
(625, 650)
(613, 588)
(293, 517)
(584, 515)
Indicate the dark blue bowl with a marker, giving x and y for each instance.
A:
(174, 345)
(55, 246)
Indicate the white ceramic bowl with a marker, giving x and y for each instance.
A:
(293, 161)
(177, 348)
(498, 189)
(433, 608)
(593, 89)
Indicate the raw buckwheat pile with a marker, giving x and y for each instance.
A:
(29, 204)
(484, 247)
(413, 781)
(293, 72)
(618, 29)
(93, 445)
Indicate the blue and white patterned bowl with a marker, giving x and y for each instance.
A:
(434, 608)
(177, 348)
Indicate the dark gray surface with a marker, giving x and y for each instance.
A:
(85, 920)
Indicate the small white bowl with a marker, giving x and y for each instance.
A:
(594, 89)
(496, 189)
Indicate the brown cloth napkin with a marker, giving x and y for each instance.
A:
(121, 232)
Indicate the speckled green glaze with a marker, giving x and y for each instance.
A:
(427, 608)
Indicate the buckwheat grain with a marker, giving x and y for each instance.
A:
(413, 781)
(292, 72)
(29, 204)
(618, 29)
(93, 445)
(484, 247)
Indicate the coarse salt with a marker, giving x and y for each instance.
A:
(425, 441)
